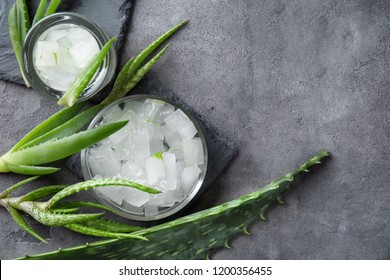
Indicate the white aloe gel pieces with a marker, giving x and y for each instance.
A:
(159, 148)
(170, 167)
(155, 170)
(193, 152)
(61, 53)
(189, 176)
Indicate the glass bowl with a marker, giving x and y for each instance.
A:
(59, 21)
(122, 108)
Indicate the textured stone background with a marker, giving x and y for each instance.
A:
(283, 79)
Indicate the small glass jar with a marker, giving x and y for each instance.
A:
(59, 21)
(119, 208)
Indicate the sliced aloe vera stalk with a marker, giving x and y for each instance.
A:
(77, 87)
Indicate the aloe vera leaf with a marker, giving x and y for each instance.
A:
(64, 211)
(23, 224)
(119, 84)
(42, 192)
(81, 82)
(59, 149)
(16, 39)
(107, 225)
(139, 59)
(129, 85)
(53, 6)
(24, 23)
(49, 124)
(132, 66)
(35, 210)
(194, 235)
(40, 13)
(101, 233)
(67, 129)
(143, 70)
(90, 184)
(16, 186)
(31, 170)
(69, 204)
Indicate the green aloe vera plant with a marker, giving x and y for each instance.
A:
(56, 138)
(59, 136)
(133, 71)
(19, 24)
(192, 236)
(65, 214)
(136, 67)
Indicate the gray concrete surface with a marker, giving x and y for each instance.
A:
(284, 79)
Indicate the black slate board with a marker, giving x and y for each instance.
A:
(113, 19)
(110, 15)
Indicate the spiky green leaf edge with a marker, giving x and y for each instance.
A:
(126, 75)
(101, 233)
(90, 184)
(16, 38)
(194, 235)
(36, 211)
(111, 226)
(142, 72)
(69, 204)
(16, 186)
(18, 218)
(42, 192)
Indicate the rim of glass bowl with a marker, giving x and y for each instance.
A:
(162, 213)
(105, 73)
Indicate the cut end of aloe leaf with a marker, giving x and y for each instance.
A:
(81, 82)
(67, 102)
(3, 166)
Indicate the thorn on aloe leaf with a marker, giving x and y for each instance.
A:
(261, 216)
(245, 231)
(279, 200)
